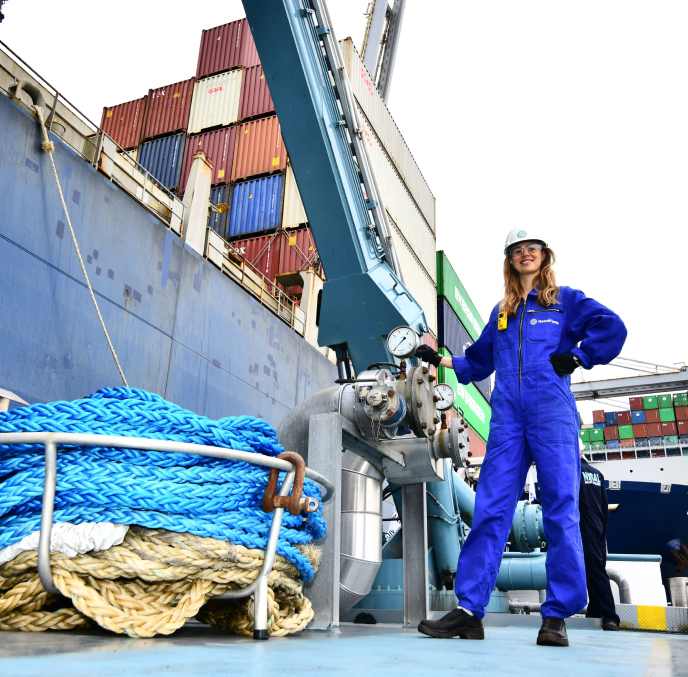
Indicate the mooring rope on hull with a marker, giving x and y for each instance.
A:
(186, 509)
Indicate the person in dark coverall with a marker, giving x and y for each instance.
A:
(536, 337)
(593, 527)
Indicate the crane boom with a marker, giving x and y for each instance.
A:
(363, 298)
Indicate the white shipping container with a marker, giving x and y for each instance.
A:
(294, 214)
(416, 279)
(400, 205)
(381, 120)
(215, 101)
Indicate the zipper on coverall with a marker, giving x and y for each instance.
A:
(520, 343)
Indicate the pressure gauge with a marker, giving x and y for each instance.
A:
(446, 395)
(402, 342)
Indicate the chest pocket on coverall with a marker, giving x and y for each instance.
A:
(555, 407)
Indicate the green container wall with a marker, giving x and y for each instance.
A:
(596, 434)
(666, 415)
(586, 446)
(681, 400)
(650, 402)
(474, 406)
(584, 434)
(449, 286)
(671, 440)
(625, 432)
(597, 446)
(664, 401)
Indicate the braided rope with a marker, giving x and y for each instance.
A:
(49, 147)
(151, 584)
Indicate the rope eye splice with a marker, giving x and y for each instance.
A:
(197, 528)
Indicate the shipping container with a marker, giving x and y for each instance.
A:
(612, 444)
(294, 213)
(584, 434)
(598, 416)
(255, 95)
(451, 334)
(599, 425)
(610, 418)
(167, 109)
(256, 206)
(682, 427)
(218, 222)
(651, 416)
(681, 400)
(404, 212)
(123, 123)
(218, 146)
(624, 417)
(259, 149)
(611, 432)
(669, 428)
(380, 119)
(261, 251)
(664, 401)
(163, 158)
(650, 402)
(625, 432)
(224, 47)
(636, 403)
(638, 416)
(297, 252)
(670, 440)
(681, 413)
(639, 430)
(642, 442)
(215, 101)
(656, 441)
(627, 443)
(666, 415)
(654, 429)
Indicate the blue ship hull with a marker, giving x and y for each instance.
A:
(180, 327)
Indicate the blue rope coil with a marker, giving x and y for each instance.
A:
(201, 495)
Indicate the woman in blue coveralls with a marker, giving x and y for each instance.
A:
(536, 337)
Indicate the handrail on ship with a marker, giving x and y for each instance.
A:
(50, 440)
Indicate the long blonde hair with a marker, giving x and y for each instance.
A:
(545, 284)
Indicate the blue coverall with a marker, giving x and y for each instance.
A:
(534, 418)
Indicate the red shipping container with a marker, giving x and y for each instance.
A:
(682, 427)
(624, 417)
(259, 149)
(297, 251)
(654, 429)
(261, 251)
(168, 109)
(225, 47)
(218, 146)
(124, 122)
(598, 417)
(627, 444)
(652, 416)
(640, 430)
(636, 403)
(611, 432)
(669, 428)
(681, 413)
(255, 95)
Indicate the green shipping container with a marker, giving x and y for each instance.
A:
(664, 401)
(584, 434)
(671, 440)
(666, 415)
(596, 434)
(586, 446)
(681, 400)
(625, 432)
(650, 402)
(449, 286)
(597, 446)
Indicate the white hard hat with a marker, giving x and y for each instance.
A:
(521, 235)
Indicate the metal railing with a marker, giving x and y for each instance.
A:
(636, 452)
(219, 252)
(50, 440)
(86, 138)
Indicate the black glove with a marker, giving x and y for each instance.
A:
(564, 364)
(427, 354)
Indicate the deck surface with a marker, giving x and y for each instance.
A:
(358, 650)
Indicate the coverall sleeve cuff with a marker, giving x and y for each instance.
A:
(585, 360)
(462, 369)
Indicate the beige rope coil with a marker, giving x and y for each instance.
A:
(152, 584)
(49, 147)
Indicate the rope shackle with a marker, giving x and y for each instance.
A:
(295, 503)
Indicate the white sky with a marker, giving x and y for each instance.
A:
(567, 119)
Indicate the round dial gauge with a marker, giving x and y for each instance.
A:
(402, 342)
(447, 396)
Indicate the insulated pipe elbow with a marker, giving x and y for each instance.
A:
(522, 573)
(624, 585)
(32, 90)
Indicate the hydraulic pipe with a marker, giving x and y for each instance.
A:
(624, 585)
(444, 526)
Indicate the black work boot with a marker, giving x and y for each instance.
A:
(610, 624)
(456, 622)
(553, 632)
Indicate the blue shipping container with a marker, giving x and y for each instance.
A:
(218, 222)
(256, 206)
(613, 444)
(599, 425)
(163, 159)
(638, 416)
(610, 417)
(452, 336)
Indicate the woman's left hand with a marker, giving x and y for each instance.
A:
(564, 364)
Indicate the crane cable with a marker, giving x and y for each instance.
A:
(49, 146)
